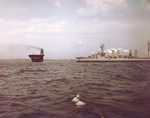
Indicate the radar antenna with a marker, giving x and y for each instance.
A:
(102, 53)
(102, 47)
(148, 43)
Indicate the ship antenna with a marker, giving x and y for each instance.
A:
(42, 51)
(102, 50)
(148, 43)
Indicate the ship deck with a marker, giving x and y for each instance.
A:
(114, 60)
(36, 58)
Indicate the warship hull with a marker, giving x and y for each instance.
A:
(113, 60)
(36, 58)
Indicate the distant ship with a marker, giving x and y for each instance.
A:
(101, 56)
(37, 57)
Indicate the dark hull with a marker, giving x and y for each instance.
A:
(36, 58)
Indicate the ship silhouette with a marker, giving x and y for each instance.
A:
(101, 56)
(37, 57)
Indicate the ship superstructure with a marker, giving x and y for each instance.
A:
(114, 57)
(37, 57)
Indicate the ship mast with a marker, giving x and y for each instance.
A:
(148, 48)
(102, 50)
(42, 51)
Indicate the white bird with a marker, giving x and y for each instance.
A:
(77, 101)
(80, 103)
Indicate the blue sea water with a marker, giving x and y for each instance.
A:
(46, 90)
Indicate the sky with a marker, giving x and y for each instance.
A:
(69, 28)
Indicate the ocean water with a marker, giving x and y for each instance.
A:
(46, 90)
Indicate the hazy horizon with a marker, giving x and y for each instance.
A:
(69, 28)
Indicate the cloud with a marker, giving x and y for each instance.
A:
(81, 11)
(146, 3)
(58, 4)
(79, 42)
(17, 31)
(82, 45)
(13, 30)
(37, 28)
(103, 6)
(84, 48)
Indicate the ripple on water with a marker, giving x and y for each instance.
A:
(44, 90)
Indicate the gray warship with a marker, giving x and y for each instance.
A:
(101, 56)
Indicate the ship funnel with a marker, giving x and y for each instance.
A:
(42, 52)
(113, 53)
(130, 53)
(136, 54)
(118, 54)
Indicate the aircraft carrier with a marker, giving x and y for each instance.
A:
(114, 57)
(37, 57)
